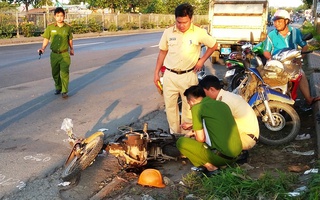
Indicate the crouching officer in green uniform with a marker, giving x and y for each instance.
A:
(60, 36)
(217, 140)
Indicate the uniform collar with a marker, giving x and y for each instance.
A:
(56, 24)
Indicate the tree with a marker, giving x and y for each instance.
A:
(308, 3)
(154, 6)
(5, 6)
(19, 2)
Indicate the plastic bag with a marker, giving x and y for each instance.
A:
(67, 125)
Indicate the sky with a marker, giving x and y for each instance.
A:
(285, 3)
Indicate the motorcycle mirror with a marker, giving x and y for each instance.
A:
(307, 36)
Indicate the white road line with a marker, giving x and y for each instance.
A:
(155, 45)
(86, 44)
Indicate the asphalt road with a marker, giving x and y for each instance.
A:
(111, 84)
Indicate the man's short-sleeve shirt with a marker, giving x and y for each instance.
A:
(275, 41)
(184, 48)
(59, 36)
(220, 124)
(242, 112)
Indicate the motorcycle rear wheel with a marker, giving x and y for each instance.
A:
(287, 123)
(237, 79)
(90, 149)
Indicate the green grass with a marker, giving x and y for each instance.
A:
(309, 28)
(233, 183)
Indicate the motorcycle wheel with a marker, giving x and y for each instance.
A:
(71, 170)
(90, 149)
(237, 79)
(287, 123)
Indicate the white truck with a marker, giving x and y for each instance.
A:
(235, 20)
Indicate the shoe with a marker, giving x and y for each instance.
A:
(199, 169)
(57, 92)
(212, 173)
(206, 172)
(64, 95)
(243, 157)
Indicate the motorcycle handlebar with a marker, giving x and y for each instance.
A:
(306, 52)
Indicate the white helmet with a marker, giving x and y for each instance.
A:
(281, 14)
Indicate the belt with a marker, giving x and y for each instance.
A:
(60, 52)
(222, 155)
(253, 137)
(180, 72)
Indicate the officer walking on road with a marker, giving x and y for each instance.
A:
(60, 36)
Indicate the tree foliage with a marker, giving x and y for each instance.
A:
(127, 6)
(308, 3)
(6, 6)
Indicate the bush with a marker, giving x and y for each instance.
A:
(7, 26)
(94, 26)
(130, 26)
(28, 29)
(112, 28)
(147, 25)
(7, 30)
(79, 27)
(165, 24)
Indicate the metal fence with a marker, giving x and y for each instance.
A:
(41, 20)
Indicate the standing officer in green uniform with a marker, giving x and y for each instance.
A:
(60, 36)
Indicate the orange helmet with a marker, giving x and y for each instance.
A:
(151, 177)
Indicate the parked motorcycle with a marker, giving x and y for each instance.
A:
(279, 122)
(234, 63)
(289, 58)
(133, 148)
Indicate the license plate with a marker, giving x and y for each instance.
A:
(225, 51)
(230, 72)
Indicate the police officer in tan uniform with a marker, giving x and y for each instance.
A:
(179, 52)
(60, 36)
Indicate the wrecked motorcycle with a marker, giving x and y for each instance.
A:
(135, 148)
(132, 148)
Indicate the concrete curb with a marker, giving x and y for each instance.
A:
(315, 91)
(23, 40)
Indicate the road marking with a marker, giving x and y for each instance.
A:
(78, 45)
(39, 157)
(10, 181)
(155, 45)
